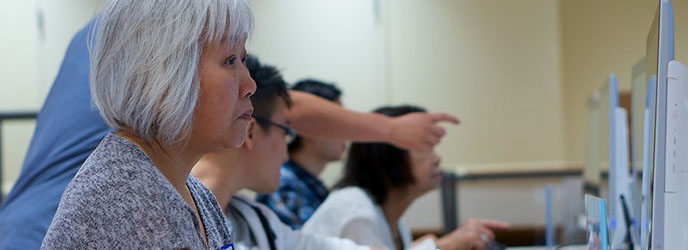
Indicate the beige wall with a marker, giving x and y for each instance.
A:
(30, 57)
(598, 38)
(331, 40)
(18, 54)
(496, 64)
(338, 41)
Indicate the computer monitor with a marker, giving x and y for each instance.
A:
(597, 149)
(639, 128)
(642, 91)
(621, 185)
(607, 151)
(676, 157)
(660, 51)
(620, 182)
(602, 135)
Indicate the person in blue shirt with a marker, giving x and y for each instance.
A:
(300, 190)
(67, 130)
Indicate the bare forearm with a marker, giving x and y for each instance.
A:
(314, 116)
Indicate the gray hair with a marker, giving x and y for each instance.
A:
(145, 57)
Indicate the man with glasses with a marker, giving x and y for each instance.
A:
(300, 190)
(289, 133)
(255, 166)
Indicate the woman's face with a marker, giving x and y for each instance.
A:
(425, 170)
(224, 107)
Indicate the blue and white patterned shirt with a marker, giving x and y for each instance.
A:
(298, 196)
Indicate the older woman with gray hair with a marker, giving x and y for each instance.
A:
(169, 76)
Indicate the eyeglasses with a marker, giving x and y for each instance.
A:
(289, 133)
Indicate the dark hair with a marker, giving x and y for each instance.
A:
(322, 89)
(269, 87)
(319, 88)
(379, 167)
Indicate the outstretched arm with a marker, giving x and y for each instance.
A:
(314, 116)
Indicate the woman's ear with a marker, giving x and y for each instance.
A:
(250, 130)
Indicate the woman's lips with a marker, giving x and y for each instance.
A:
(246, 115)
(436, 173)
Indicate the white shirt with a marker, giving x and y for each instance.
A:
(351, 213)
(248, 233)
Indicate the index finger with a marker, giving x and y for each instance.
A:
(444, 117)
(494, 224)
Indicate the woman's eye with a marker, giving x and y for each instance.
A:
(230, 61)
(244, 59)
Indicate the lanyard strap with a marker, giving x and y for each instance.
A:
(266, 226)
(264, 222)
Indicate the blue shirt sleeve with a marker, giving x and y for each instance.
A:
(68, 129)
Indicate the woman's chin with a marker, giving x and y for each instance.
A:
(233, 143)
(237, 138)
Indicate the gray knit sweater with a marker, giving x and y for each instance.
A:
(120, 200)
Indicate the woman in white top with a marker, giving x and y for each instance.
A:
(380, 182)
